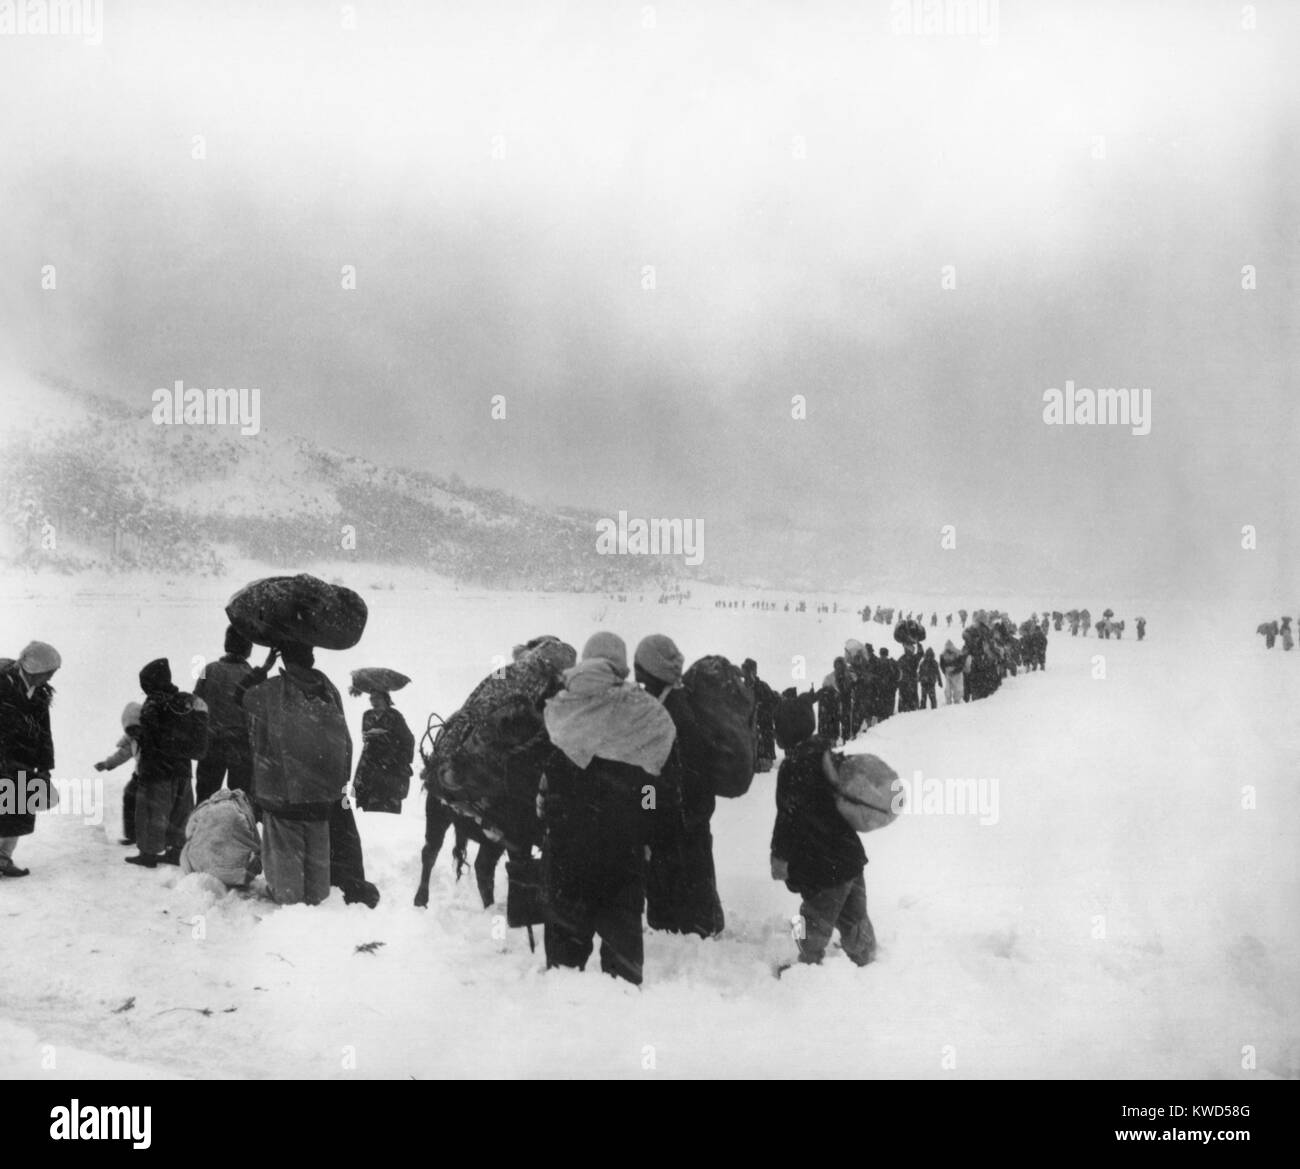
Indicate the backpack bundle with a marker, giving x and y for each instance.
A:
(864, 790)
(300, 608)
(183, 731)
(722, 742)
(486, 760)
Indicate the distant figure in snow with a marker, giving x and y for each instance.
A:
(1085, 619)
(128, 748)
(814, 850)
(828, 708)
(907, 679)
(928, 673)
(229, 757)
(1270, 631)
(1284, 632)
(949, 620)
(962, 614)
(887, 687)
(953, 664)
(1141, 628)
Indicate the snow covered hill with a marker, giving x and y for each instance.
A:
(88, 483)
(1127, 907)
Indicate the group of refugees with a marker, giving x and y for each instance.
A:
(1272, 630)
(274, 761)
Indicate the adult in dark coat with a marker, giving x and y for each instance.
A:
(828, 707)
(383, 777)
(229, 758)
(929, 674)
(681, 880)
(611, 742)
(26, 746)
(309, 833)
(907, 678)
(887, 674)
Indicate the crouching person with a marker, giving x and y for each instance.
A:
(610, 742)
(814, 850)
(302, 758)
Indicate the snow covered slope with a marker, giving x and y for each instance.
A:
(1122, 915)
(88, 483)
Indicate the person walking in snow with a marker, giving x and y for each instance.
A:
(887, 674)
(229, 758)
(128, 748)
(681, 880)
(928, 674)
(953, 664)
(26, 746)
(828, 705)
(907, 678)
(1142, 628)
(610, 743)
(173, 732)
(302, 760)
(814, 850)
(1085, 620)
(384, 770)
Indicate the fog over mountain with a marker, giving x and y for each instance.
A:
(648, 234)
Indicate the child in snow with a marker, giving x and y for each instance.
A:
(128, 747)
(814, 850)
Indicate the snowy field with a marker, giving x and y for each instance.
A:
(1122, 916)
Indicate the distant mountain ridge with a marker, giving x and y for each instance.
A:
(89, 482)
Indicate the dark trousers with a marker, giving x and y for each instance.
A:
(585, 899)
(927, 695)
(161, 808)
(907, 696)
(842, 907)
(128, 809)
(219, 761)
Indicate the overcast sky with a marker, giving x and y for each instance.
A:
(798, 175)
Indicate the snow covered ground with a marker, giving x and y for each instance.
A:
(1123, 915)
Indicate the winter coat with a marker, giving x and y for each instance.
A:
(26, 744)
(828, 710)
(596, 826)
(810, 835)
(928, 671)
(218, 686)
(221, 839)
(128, 747)
(384, 770)
(302, 751)
(158, 763)
(908, 666)
(953, 662)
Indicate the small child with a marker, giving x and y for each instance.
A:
(814, 849)
(128, 747)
